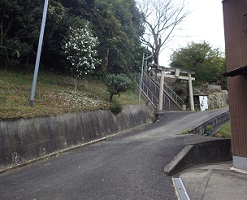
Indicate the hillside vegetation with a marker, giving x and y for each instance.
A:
(224, 131)
(104, 34)
(55, 95)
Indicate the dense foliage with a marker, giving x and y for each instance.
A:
(116, 24)
(207, 62)
(116, 107)
(117, 83)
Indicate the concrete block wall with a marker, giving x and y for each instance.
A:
(23, 140)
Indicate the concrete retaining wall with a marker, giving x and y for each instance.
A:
(24, 140)
(215, 122)
(201, 153)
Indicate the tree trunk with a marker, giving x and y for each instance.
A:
(76, 83)
(156, 50)
(105, 61)
(6, 65)
(27, 60)
(111, 96)
(156, 58)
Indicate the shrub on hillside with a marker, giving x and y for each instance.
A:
(116, 107)
(117, 83)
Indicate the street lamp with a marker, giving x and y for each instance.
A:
(36, 70)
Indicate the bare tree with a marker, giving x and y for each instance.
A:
(161, 19)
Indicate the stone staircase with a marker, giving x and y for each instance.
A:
(150, 89)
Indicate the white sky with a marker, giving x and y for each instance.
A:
(205, 22)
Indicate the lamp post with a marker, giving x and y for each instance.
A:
(36, 70)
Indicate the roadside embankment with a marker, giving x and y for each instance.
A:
(201, 149)
(214, 122)
(25, 140)
(216, 150)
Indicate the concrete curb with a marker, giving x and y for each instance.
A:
(201, 153)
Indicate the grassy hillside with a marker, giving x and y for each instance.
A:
(55, 95)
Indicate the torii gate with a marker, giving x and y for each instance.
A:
(178, 74)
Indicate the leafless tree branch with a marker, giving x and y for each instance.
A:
(161, 18)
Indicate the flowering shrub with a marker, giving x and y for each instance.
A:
(80, 49)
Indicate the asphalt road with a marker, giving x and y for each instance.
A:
(129, 166)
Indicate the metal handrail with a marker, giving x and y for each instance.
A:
(147, 93)
(177, 99)
(152, 97)
(156, 90)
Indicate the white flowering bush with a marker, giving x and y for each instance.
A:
(80, 50)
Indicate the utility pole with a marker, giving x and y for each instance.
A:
(144, 63)
(41, 36)
(140, 84)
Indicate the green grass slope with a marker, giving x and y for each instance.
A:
(224, 131)
(55, 95)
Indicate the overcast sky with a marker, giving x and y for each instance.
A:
(205, 22)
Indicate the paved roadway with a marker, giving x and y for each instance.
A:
(129, 166)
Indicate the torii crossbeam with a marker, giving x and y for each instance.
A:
(177, 74)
